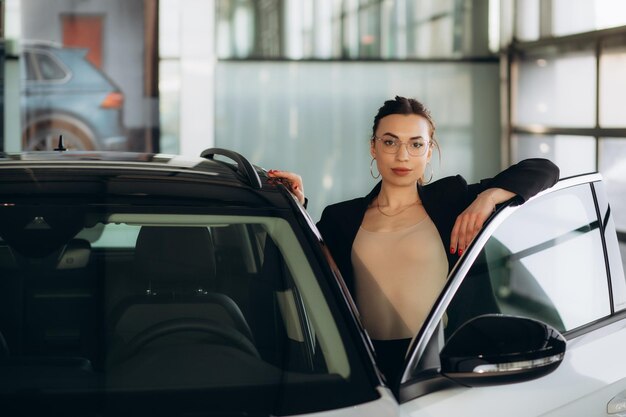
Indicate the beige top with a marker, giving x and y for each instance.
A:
(398, 276)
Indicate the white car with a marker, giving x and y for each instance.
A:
(152, 285)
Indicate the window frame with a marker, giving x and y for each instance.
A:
(597, 41)
(590, 228)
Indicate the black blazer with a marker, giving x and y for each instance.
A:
(443, 200)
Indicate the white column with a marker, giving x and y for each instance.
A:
(293, 23)
(197, 66)
(12, 116)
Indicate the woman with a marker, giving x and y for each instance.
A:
(395, 246)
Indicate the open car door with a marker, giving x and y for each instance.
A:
(532, 320)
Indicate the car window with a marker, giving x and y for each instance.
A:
(545, 261)
(224, 307)
(111, 236)
(49, 68)
(29, 66)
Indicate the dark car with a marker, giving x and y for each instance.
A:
(140, 284)
(64, 94)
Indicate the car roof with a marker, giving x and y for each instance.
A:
(40, 43)
(146, 171)
(51, 45)
(75, 159)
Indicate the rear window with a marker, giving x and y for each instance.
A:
(43, 66)
(154, 313)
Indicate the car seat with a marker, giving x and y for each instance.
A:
(174, 278)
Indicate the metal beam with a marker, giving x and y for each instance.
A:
(576, 131)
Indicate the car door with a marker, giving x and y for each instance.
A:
(552, 260)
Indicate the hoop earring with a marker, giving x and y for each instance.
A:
(372, 170)
(430, 178)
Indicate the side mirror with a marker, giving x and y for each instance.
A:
(499, 349)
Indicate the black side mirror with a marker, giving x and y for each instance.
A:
(498, 349)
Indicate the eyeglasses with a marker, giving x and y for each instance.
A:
(415, 147)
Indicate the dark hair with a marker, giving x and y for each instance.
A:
(403, 105)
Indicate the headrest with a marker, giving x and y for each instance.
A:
(175, 258)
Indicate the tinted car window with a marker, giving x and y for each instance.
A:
(49, 68)
(168, 309)
(30, 66)
(544, 262)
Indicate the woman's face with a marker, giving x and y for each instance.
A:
(402, 148)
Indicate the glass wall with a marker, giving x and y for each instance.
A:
(535, 19)
(613, 168)
(298, 83)
(567, 89)
(352, 29)
(573, 154)
(149, 65)
(575, 16)
(556, 89)
(613, 83)
(315, 118)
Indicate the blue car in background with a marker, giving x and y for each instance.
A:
(64, 94)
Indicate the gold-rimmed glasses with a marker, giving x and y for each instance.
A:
(391, 144)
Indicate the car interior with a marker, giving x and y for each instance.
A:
(153, 305)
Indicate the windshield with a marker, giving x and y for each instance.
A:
(136, 310)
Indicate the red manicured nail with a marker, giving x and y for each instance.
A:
(460, 252)
(451, 249)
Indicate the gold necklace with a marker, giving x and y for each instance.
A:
(395, 214)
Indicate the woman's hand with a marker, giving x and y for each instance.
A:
(470, 221)
(294, 182)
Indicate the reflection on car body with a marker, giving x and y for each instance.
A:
(138, 284)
